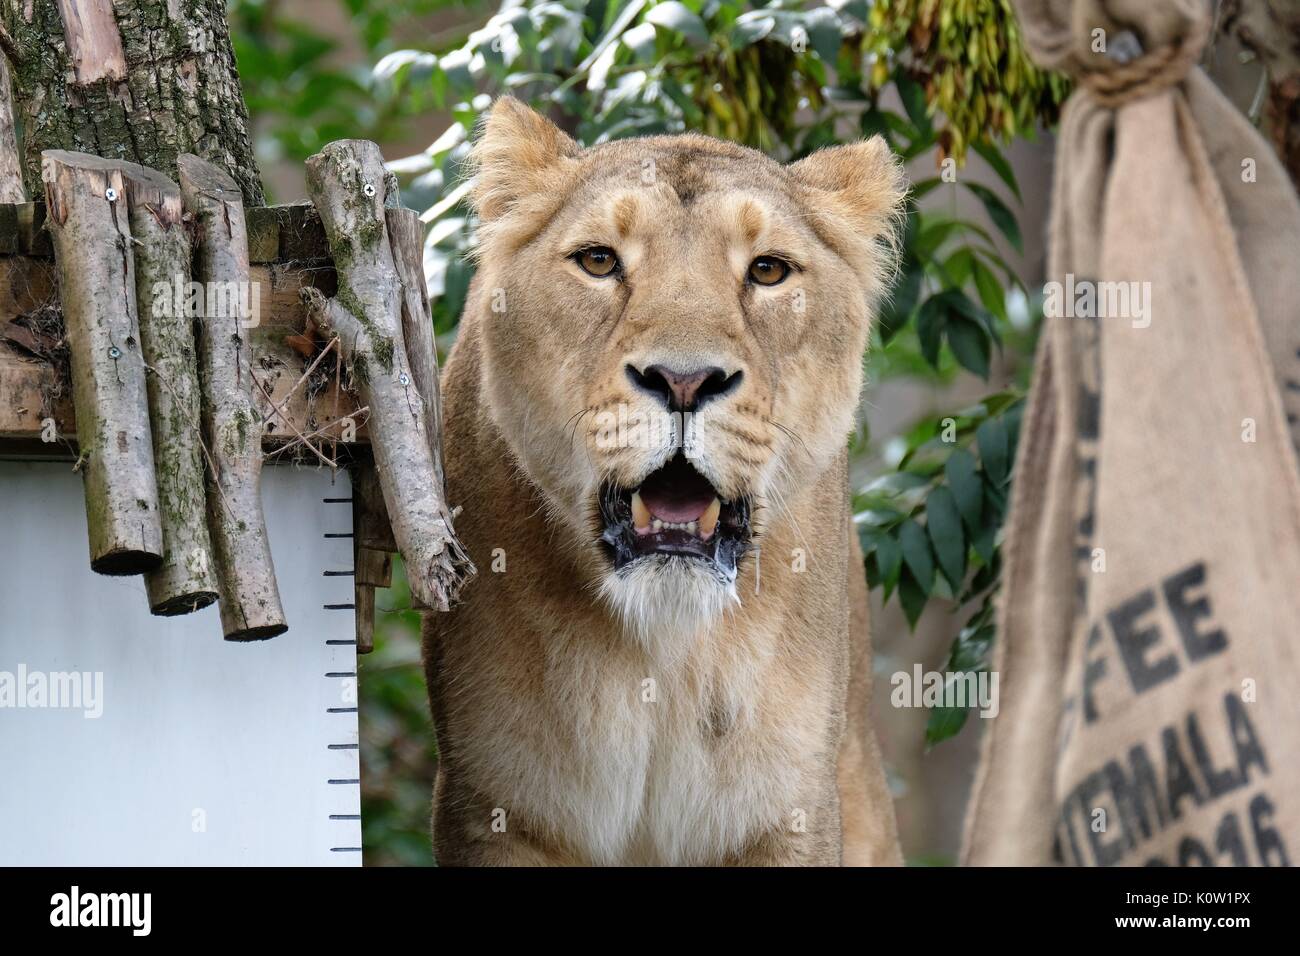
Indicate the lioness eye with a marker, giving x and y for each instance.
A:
(599, 261)
(766, 270)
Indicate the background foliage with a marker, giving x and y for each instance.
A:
(935, 79)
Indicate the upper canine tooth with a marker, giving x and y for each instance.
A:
(709, 520)
(640, 513)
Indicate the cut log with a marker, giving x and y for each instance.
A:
(186, 581)
(346, 181)
(88, 219)
(232, 423)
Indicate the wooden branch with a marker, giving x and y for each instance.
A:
(347, 184)
(406, 237)
(186, 581)
(88, 220)
(233, 425)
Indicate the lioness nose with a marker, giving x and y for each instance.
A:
(685, 391)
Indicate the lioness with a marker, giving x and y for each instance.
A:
(664, 659)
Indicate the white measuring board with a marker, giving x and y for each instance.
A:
(206, 752)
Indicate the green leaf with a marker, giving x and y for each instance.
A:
(678, 18)
(991, 437)
(898, 309)
(943, 522)
(896, 482)
(916, 553)
(750, 28)
(990, 290)
(933, 234)
(984, 540)
(959, 265)
(823, 28)
(889, 560)
(967, 488)
(877, 517)
(912, 597)
(993, 156)
(612, 35)
(640, 40)
(1002, 217)
(962, 304)
(970, 344)
(873, 124)
(943, 723)
(930, 324)
(913, 97)
(970, 649)
(858, 9)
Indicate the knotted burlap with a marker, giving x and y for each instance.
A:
(1149, 634)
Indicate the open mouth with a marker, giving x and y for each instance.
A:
(675, 511)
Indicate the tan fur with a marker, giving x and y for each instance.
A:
(591, 724)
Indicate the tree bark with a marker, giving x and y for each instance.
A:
(11, 169)
(140, 80)
(250, 598)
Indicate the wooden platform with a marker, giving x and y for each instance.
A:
(287, 251)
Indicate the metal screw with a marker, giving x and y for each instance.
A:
(110, 194)
(404, 379)
(113, 351)
(368, 189)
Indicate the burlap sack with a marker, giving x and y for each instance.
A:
(1149, 642)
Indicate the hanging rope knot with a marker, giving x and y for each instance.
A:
(1122, 81)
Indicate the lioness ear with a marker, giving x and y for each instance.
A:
(863, 182)
(518, 153)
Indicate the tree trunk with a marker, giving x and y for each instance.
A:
(141, 80)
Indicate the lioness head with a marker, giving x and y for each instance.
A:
(673, 340)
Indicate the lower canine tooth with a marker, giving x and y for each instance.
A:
(640, 513)
(709, 520)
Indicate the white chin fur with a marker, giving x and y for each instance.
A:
(665, 602)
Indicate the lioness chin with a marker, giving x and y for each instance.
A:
(665, 658)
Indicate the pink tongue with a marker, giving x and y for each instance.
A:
(677, 492)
